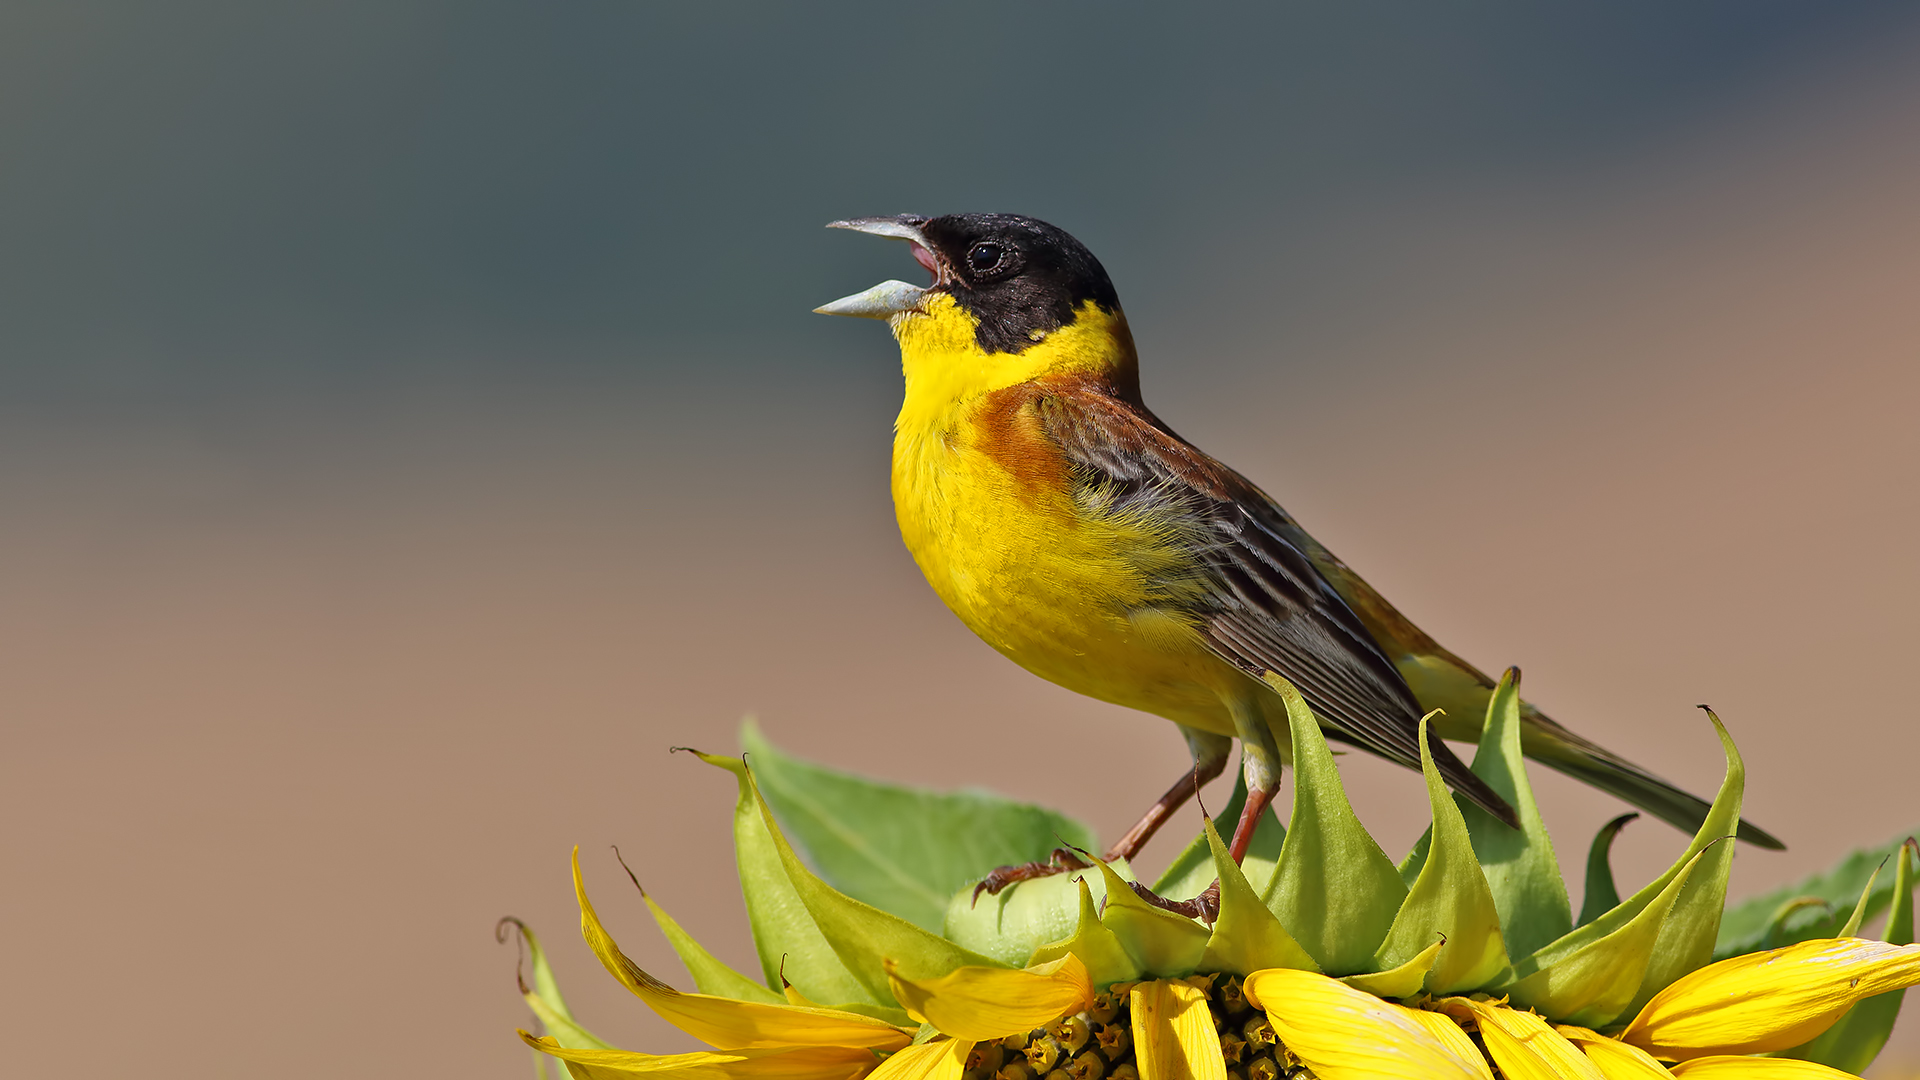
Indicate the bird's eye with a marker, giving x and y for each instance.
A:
(984, 258)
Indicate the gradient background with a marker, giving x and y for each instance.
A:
(411, 424)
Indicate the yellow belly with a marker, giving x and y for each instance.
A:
(1080, 599)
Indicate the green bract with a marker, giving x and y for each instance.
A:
(1477, 907)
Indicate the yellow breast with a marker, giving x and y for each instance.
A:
(1065, 586)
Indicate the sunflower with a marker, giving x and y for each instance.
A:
(1326, 961)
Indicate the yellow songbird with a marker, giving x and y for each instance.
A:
(1075, 533)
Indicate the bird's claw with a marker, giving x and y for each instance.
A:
(1205, 907)
(1059, 862)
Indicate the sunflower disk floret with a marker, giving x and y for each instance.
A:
(1097, 1042)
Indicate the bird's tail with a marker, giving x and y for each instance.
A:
(1545, 741)
(1441, 680)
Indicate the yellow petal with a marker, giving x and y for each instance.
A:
(1770, 1000)
(1615, 1059)
(1346, 1034)
(1449, 1033)
(1522, 1044)
(943, 1059)
(792, 1063)
(991, 1003)
(724, 1022)
(1173, 1034)
(1741, 1067)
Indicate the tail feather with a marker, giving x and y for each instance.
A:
(1441, 680)
(1554, 746)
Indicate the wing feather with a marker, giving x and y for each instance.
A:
(1266, 607)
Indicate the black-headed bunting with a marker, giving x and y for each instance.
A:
(1084, 540)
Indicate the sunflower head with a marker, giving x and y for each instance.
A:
(1326, 959)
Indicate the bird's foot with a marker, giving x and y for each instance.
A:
(1205, 907)
(1059, 862)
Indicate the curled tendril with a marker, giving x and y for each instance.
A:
(623, 865)
(520, 946)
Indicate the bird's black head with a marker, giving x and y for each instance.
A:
(1020, 278)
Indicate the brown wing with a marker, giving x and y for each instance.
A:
(1266, 607)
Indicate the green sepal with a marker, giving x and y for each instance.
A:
(1403, 981)
(1689, 930)
(1192, 870)
(1519, 864)
(1335, 891)
(1416, 859)
(1246, 936)
(1162, 943)
(865, 938)
(1450, 898)
(1096, 945)
(1009, 926)
(1784, 914)
(1750, 925)
(1852, 1043)
(1722, 821)
(1852, 927)
(711, 975)
(1593, 984)
(543, 997)
(784, 932)
(1600, 895)
(897, 848)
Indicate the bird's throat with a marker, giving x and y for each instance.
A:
(945, 367)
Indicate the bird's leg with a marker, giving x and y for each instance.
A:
(1060, 861)
(1209, 761)
(1260, 764)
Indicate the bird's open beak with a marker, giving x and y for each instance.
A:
(889, 298)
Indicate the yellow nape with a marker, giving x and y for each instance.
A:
(1048, 572)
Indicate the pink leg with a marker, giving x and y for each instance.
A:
(1206, 767)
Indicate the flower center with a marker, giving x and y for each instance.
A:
(1098, 1044)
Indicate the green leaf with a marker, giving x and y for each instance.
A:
(903, 850)
(1192, 870)
(1600, 895)
(1593, 984)
(1450, 899)
(710, 974)
(1096, 945)
(865, 938)
(1519, 863)
(1335, 891)
(1687, 934)
(784, 932)
(1246, 937)
(1852, 1043)
(1024, 916)
(544, 995)
(1162, 943)
(1745, 926)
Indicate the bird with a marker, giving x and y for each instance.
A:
(1074, 532)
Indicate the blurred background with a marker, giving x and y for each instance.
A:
(412, 424)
